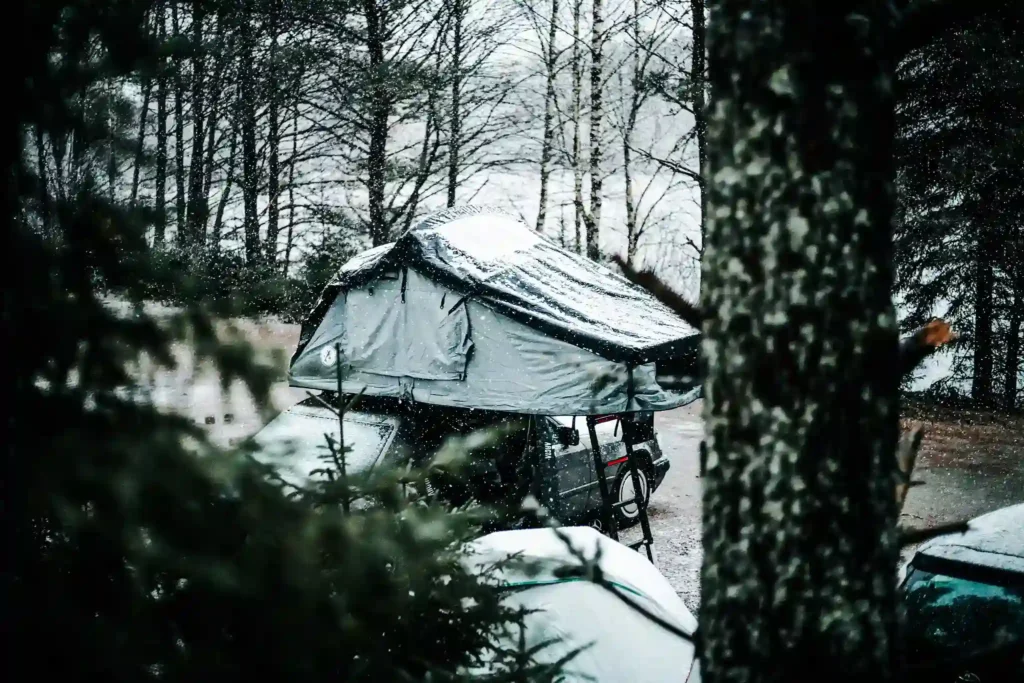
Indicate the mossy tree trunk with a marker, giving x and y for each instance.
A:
(801, 409)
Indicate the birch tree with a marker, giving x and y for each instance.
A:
(577, 158)
(457, 18)
(550, 54)
(592, 217)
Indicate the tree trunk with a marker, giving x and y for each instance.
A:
(58, 144)
(250, 163)
(458, 12)
(140, 141)
(1013, 369)
(550, 64)
(218, 221)
(210, 157)
(273, 138)
(380, 116)
(632, 239)
(111, 147)
(700, 124)
(577, 161)
(801, 408)
(632, 236)
(160, 181)
(196, 222)
(45, 208)
(179, 137)
(291, 189)
(593, 217)
(428, 147)
(981, 384)
(224, 54)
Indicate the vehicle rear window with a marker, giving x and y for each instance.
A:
(949, 616)
(295, 442)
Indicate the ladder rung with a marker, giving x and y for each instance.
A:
(623, 503)
(641, 542)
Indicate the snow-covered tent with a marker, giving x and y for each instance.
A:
(473, 309)
(618, 643)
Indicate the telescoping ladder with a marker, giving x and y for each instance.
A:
(608, 507)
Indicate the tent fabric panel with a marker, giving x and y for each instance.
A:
(502, 262)
(406, 327)
(399, 325)
(510, 367)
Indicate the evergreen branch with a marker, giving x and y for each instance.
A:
(323, 403)
(925, 20)
(912, 536)
(690, 313)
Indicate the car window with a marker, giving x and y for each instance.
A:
(949, 616)
(606, 431)
(295, 444)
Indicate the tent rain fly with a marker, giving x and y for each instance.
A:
(473, 309)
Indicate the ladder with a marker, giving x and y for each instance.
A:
(608, 507)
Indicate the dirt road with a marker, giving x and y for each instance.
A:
(969, 464)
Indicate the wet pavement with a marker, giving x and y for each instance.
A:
(675, 507)
(965, 470)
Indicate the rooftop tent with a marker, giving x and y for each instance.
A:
(473, 309)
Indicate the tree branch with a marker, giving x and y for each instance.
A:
(924, 20)
(662, 292)
(912, 536)
(923, 343)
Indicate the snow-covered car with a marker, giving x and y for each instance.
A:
(964, 600)
(616, 641)
(546, 456)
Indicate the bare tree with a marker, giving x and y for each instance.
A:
(592, 217)
(274, 96)
(456, 17)
(160, 200)
(577, 159)
(697, 91)
(179, 132)
(480, 113)
(140, 140)
(248, 129)
(196, 219)
(550, 55)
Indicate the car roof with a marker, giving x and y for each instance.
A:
(993, 541)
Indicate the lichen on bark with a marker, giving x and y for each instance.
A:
(801, 390)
